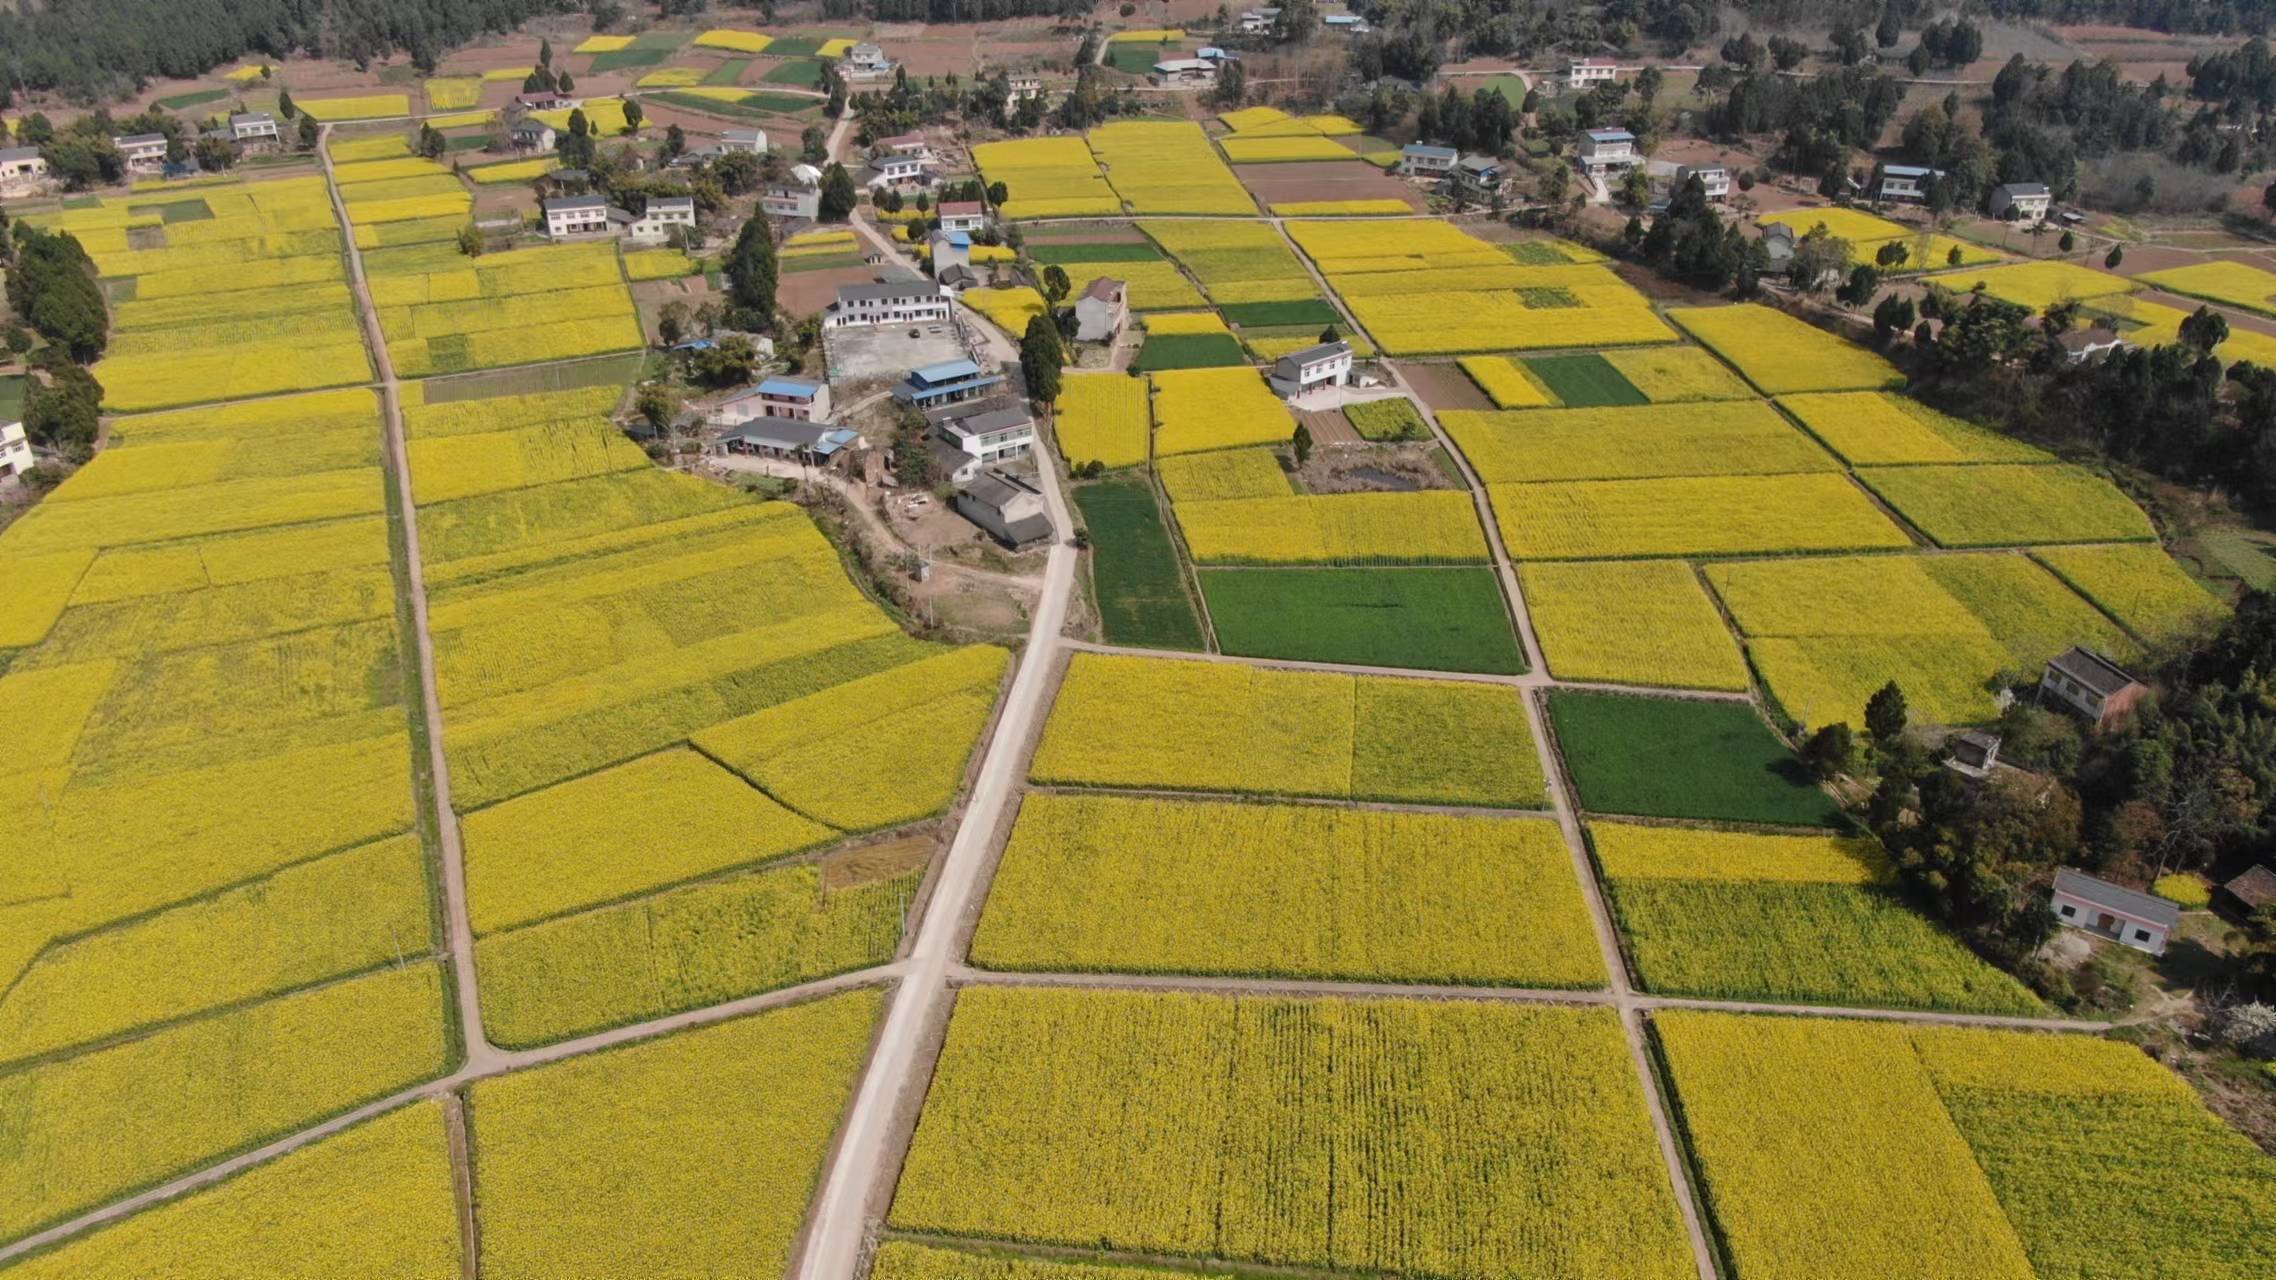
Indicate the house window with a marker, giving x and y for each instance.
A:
(2069, 911)
(2141, 935)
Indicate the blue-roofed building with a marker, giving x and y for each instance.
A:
(798, 399)
(1905, 182)
(950, 249)
(944, 383)
(1604, 151)
(1435, 162)
(1211, 53)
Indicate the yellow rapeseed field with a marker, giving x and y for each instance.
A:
(1701, 515)
(1197, 409)
(1251, 149)
(367, 107)
(1102, 417)
(1633, 622)
(512, 171)
(1225, 473)
(1010, 308)
(1509, 383)
(2000, 506)
(373, 1201)
(1047, 178)
(2141, 586)
(1167, 166)
(603, 44)
(1671, 375)
(2040, 285)
(1339, 208)
(616, 1163)
(1296, 891)
(1221, 727)
(453, 93)
(1433, 527)
(1726, 437)
(734, 41)
(2237, 283)
(1358, 1136)
(1869, 428)
(1781, 354)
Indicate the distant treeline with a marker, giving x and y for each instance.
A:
(954, 10)
(90, 49)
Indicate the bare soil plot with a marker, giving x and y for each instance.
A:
(1323, 180)
(1380, 468)
(1444, 386)
(803, 293)
(1329, 426)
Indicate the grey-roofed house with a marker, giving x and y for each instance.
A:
(792, 200)
(1603, 151)
(954, 464)
(2127, 916)
(959, 278)
(1102, 310)
(1430, 161)
(1973, 753)
(21, 169)
(751, 141)
(1008, 507)
(2093, 686)
(253, 129)
(2022, 201)
(991, 433)
(1325, 365)
(2082, 345)
(1906, 182)
(575, 215)
(143, 152)
(1477, 175)
(532, 135)
(813, 443)
(913, 301)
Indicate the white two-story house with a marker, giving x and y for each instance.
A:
(1604, 152)
(575, 216)
(144, 152)
(1326, 365)
(888, 302)
(663, 213)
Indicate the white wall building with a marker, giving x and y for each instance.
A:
(1906, 182)
(1587, 73)
(253, 128)
(575, 216)
(144, 152)
(753, 141)
(900, 171)
(991, 435)
(1606, 151)
(15, 449)
(1326, 365)
(966, 216)
(802, 399)
(888, 302)
(663, 214)
(1022, 87)
(1102, 310)
(1713, 177)
(2024, 202)
(2113, 911)
(865, 62)
(1185, 73)
(22, 169)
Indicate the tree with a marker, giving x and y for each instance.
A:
(567, 83)
(1302, 442)
(1955, 257)
(432, 144)
(1232, 85)
(672, 322)
(1040, 359)
(1830, 752)
(675, 142)
(837, 194)
(1056, 285)
(64, 410)
(470, 240)
(2204, 330)
(2068, 243)
(1849, 45)
(53, 289)
(729, 362)
(1864, 281)
(1648, 82)
(2111, 259)
(1329, 334)
(656, 405)
(1891, 28)
(1787, 53)
(737, 172)
(751, 268)
(1893, 316)
(632, 115)
(309, 132)
(1891, 254)
(1885, 715)
(285, 105)
(998, 193)
(579, 126)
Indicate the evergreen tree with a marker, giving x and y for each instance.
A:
(752, 271)
(1040, 359)
(1885, 715)
(285, 107)
(838, 196)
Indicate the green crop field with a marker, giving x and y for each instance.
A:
(1189, 351)
(798, 71)
(1434, 619)
(728, 72)
(1585, 380)
(1134, 566)
(1260, 314)
(1682, 758)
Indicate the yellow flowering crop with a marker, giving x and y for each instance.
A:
(1204, 726)
(1269, 150)
(1235, 261)
(1670, 375)
(1010, 308)
(380, 170)
(2139, 585)
(1222, 474)
(245, 75)
(367, 107)
(1781, 354)
(191, 1093)
(1880, 427)
(1102, 417)
(837, 47)
(1148, 35)
(136, 382)
(1186, 322)
(1047, 177)
(1696, 515)
(604, 115)
(1155, 286)
(615, 1163)
(1197, 409)
(672, 78)
(1434, 527)
(1251, 117)
(1632, 851)
(1451, 323)
(465, 466)
(1338, 208)
(802, 752)
(1298, 891)
(453, 93)
(1634, 622)
(684, 948)
(658, 264)
(512, 171)
(661, 819)
(375, 1200)
(1359, 1136)
(733, 41)
(1168, 166)
(603, 44)
(440, 204)
(1508, 383)
(1728, 437)
(1994, 506)
(2039, 285)
(39, 588)
(2222, 280)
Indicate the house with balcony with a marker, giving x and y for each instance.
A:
(1185, 73)
(865, 62)
(966, 216)
(2024, 202)
(1906, 182)
(1607, 152)
(15, 450)
(1582, 74)
(912, 301)
(567, 216)
(144, 152)
(991, 433)
(1418, 159)
(254, 130)
(1325, 365)
(1714, 179)
(654, 224)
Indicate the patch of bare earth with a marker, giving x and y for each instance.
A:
(1444, 387)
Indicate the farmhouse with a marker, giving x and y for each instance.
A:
(1020, 88)
(1185, 73)
(2253, 891)
(532, 135)
(915, 170)
(21, 169)
(2082, 345)
(1348, 23)
(811, 443)
(906, 144)
(1258, 21)
(2093, 686)
(792, 199)
(751, 141)
(963, 215)
(865, 62)
(1605, 151)
(948, 382)
(576, 216)
(2138, 920)
(1428, 161)
(989, 433)
(1973, 753)
(2021, 202)
(15, 450)
(1006, 506)
(1102, 310)
(957, 279)
(663, 214)
(1326, 365)
(253, 129)
(546, 100)
(1713, 178)
(1587, 73)
(144, 152)
(1478, 175)
(955, 465)
(912, 301)
(1906, 182)
(1211, 53)
(799, 399)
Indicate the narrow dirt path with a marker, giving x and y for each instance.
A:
(458, 931)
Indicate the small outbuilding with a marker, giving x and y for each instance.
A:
(1973, 753)
(2093, 686)
(2252, 892)
(2125, 916)
(1008, 507)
